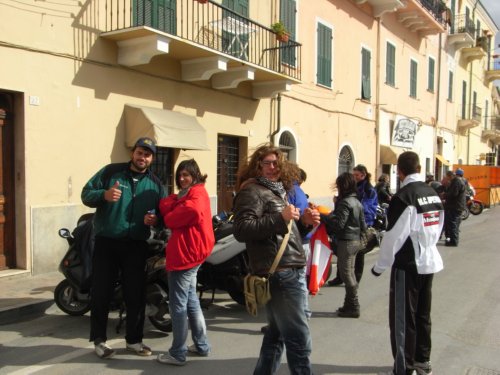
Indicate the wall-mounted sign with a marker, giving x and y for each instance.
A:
(404, 131)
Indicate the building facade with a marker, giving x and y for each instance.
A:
(358, 81)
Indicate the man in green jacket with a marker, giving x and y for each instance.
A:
(126, 197)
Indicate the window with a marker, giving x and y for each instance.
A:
(450, 86)
(413, 79)
(430, 78)
(390, 65)
(365, 74)
(346, 160)
(288, 145)
(324, 58)
(162, 166)
(288, 11)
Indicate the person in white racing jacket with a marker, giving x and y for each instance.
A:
(415, 221)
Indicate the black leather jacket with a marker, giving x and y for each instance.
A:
(347, 220)
(258, 223)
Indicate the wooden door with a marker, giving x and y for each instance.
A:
(7, 228)
(228, 151)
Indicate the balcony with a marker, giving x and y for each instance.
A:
(424, 16)
(493, 132)
(472, 121)
(462, 32)
(206, 41)
(382, 6)
(479, 51)
(493, 71)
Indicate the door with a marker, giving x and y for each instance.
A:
(234, 36)
(7, 228)
(228, 154)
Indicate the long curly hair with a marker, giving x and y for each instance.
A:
(252, 168)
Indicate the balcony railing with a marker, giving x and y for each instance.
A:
(436, 8)
(463, 24)
(211, 26)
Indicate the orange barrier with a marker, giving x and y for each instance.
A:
(485, 180)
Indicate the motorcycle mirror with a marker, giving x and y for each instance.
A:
(64, 233)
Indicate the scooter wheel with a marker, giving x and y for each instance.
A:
(476, 208)
(161, 320)
(69, 300)
(237, 296)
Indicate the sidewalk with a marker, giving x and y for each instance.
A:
(24, 296)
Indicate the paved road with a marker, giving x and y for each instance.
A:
(466, 326)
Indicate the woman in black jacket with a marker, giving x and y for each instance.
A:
(345, 225)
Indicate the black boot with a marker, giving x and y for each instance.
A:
(351, 304)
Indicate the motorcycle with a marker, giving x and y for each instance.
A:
(72, 295)
(472, 206)
(227, 265)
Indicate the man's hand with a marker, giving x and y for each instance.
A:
(290, 212)
(150, 219)
(310, 217)
(114, 193)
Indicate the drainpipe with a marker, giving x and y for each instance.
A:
(470, 89)
(278, 120)
(438, 97)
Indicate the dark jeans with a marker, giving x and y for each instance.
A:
(288, 326)
(452, 220)
(410, 318)
(114, 258)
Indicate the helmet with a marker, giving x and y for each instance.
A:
(459, 172)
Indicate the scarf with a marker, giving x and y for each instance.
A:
(275, 186)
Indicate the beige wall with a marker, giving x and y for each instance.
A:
(53, 57)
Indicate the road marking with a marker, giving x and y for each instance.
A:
(61, 359)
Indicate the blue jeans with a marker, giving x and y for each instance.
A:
(185, 306)
(288, 326)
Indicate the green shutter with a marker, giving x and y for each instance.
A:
(413, 79)
(430, 82)
(159, 14)
(450, 85)
(390, 65)
(365, 74)
(288, 14)
(324, 58)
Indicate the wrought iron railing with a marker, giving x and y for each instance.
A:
(463, 24)
(210, 25)
(437, 8)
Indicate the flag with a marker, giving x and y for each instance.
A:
(319, 259)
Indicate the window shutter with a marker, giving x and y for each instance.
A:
(390, 67)
(365, 74)
(324, 57)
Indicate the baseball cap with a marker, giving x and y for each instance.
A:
(146, 142)
(459, 172)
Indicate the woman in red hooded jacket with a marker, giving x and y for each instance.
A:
(189, 217)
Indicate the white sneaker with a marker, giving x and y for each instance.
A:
(104, 351)
(169, 360)
(139, 349)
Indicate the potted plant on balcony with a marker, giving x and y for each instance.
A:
(281, 32)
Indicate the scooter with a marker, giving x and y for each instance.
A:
(72, 295)
(472, 206)
(227, 265)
